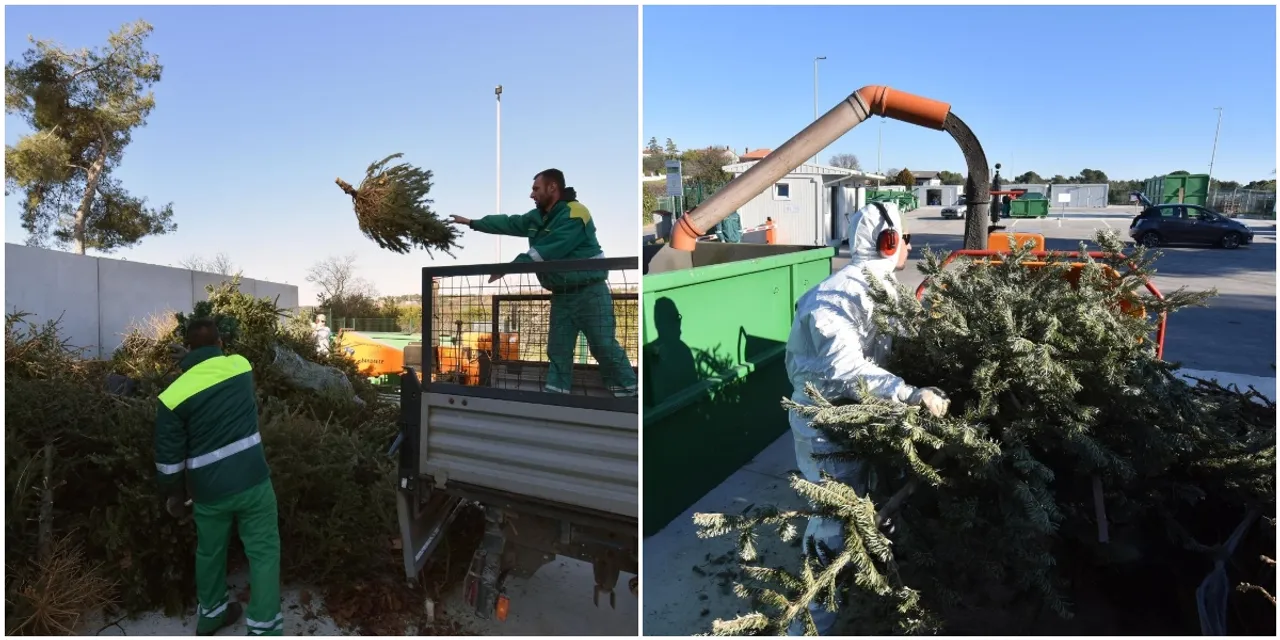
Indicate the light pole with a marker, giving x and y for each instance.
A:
(1214, 155)
(815, 93)
(497, 93)
(880, 146)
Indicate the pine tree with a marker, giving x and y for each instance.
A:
(393, 210)
(1060, 411)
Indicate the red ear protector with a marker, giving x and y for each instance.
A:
(888, 240)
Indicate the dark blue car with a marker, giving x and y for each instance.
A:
(1187, 224)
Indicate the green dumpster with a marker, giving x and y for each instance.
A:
(1181, 188)
(1031, 205)
(714, 376)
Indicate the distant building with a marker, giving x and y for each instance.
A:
(809, 206)
(927, 178)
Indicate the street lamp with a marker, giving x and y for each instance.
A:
(497, 93)
(815, 93)
(1214, 155)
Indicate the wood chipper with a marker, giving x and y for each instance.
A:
(1000, 245)
(861, 105)
(375, 354)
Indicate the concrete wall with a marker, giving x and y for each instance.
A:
(98, 299)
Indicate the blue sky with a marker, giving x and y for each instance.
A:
(1128, 90)
(260, 108)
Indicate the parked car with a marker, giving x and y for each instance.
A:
(1189, 224)
(956, 210)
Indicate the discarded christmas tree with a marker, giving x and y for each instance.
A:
(1070, 452)
(393, 210)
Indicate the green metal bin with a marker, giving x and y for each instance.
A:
(714, 374)
(1186, 189)
(1029, 208)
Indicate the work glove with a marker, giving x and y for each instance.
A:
(932, 399)
(177, 352)
(177, 507)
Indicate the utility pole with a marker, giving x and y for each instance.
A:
(815, 93)
(497, 93)
(1214, 155)
(880, 147)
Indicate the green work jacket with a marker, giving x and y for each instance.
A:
(207, 428)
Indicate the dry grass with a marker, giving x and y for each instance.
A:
(50, 597)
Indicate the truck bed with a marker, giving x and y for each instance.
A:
(583, 458)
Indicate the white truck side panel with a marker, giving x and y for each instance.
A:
(578, 457)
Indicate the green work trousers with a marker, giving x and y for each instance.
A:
(253, 511)
(588, 310)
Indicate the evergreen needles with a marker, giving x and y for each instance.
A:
(1056, 394)
(393, 210)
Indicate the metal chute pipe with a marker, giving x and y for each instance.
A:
(872, 100)
(977, 185)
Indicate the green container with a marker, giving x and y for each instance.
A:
(1186, 189)
(714, 376)
(1029, 208)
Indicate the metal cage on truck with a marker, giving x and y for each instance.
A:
(556, 473)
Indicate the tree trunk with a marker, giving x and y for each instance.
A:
(90, 188)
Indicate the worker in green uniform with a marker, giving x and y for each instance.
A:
(561, 228)
(207, 442)
(729, 229)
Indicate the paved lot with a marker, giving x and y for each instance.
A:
(1235, 333)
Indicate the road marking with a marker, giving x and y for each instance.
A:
(1104, 221)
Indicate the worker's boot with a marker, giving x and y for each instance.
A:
(232, 616)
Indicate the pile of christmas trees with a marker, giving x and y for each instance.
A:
(85, 525)
(1077, 480)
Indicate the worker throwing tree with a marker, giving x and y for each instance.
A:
(207, 441)
(561, 228)
(833, 345)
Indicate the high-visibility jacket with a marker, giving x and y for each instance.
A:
(207, 428)
(566, 232)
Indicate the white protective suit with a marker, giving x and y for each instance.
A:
(833, 343)
(322, 335)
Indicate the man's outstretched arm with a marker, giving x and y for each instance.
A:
(498, 224)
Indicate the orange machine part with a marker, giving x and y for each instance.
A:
(904, 106)
(463, 361)
(372, 358)
(999, 241)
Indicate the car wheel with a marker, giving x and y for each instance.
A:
(1150, 240)
(1231, 240)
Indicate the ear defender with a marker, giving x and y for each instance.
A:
(888, 240)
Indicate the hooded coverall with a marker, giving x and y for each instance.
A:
(833, 344)
(580, 300)
(207, 442)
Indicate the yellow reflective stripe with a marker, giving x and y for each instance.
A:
(579, 212)
(202, 376)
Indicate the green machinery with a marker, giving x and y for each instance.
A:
(714, 373)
